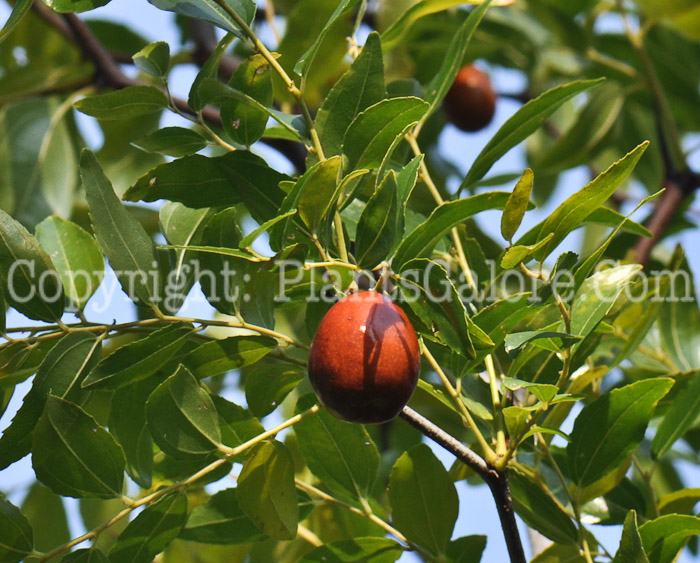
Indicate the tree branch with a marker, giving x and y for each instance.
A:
(497, 481)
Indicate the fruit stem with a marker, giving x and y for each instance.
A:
(490, 456)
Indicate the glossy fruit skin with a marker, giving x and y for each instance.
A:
(364, 360)
(470, 102)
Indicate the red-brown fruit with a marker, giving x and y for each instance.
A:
(364, 359)
(470, 102)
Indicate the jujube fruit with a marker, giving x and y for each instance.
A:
(364, 359)
(470, 102)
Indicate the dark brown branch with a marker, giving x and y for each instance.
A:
(497, 481)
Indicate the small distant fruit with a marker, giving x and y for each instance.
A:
(470, 102)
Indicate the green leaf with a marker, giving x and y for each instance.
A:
(521, 125)
(16, 533)
(342, 455)
(454, 55)
(221, 520)
(60, 374)
(127, 423)
(540, 510)
(266, 490)
(596, 297)
(630, 550)
(30, 282)
(395, 32)
(467, 549)
(517, 205)
(85, 556)
(369, 550)
(154, 59)
(19, 10)
(48, 532)
(198, 181)
(304, 63)
(421, 241)
(516, 341)
(560, 554)
(320, 194)
(151, 531)
(237, 424)
(173, 141)
(138, 359)
(374, 131)
(267, 387)
(361, 86)
(132, 101)
(433, 299)
(679, 319)
(72, 6)
(73, 455)
(681, 415)
(543, 391)
(209, 70)
(664, 537)
(679, 502)
(215, 92)
(247, 241)
(611, 427)
(584, 269)
(221, 356)
(514, 255)
(212, 11)
(423, 499)
(182, 226)
(570, 214)
(182, 417)
(123, 240)
(377, 228)
(245, 123)
(75, 255)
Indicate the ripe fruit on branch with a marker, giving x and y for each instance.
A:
(364, 359)
(470, 102)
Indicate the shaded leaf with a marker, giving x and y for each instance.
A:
(151, 531)
(521, 125)
(122, 238)
(182, 417)
(31, 284)
(423, 499)
(154, 59)
(75, 255)
(73, 455)
(517, 205)
(173, 141)
(220, 356)
(681, 415)
(267, 387)
(221, 521)
(361, 86)
(65, 366)
(139, 359)
(374, 131)
(16, 533)
(132, 101)
(665, 536)
(342, 455)
(212, 11)
(320, 194)
(369, 550)
(610, 428)
(630, 550)
(266, 490)
(377, 228)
